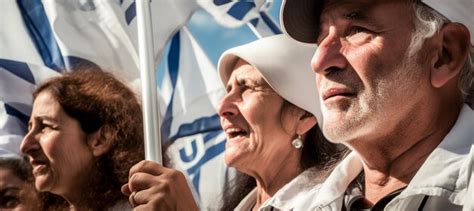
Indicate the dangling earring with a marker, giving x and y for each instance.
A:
(297, 142)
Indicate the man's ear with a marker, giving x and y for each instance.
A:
(306, 122)
(100, 141)
(452, 53)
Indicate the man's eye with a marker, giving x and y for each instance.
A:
(359, 35)
(357, 29)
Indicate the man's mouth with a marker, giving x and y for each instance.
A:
(337, 92)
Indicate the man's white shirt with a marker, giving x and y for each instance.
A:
(445, 177)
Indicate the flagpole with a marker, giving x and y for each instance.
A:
(254, 30)
(148, 80)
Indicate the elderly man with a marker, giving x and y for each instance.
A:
(396, 80)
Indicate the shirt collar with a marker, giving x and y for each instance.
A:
(336, 184)
(302, 188)
(445, 171)
(438, 171)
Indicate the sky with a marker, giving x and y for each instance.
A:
(215, 39)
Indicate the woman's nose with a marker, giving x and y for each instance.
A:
(227, 107)
(29, 142)
(328, 55)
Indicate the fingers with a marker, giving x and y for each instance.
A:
(147, 166)
(139, 181)
(131, 199)
(126, 189)
(152, 186)
(147, 195)
(162, 197)
(151, 199)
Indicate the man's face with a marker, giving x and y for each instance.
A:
(368, 84)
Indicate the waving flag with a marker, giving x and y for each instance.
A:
(99, 32)
(232, 13)
(21, 69)
(59, 34)
(190, 124)
(18, 80)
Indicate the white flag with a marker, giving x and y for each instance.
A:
(233, 13)
(18, 81)
(21, 69)
(191, 123)
(58, 34)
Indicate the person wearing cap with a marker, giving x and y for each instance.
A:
(268, 115)
(396, 82)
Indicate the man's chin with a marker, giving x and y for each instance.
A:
(339, 131)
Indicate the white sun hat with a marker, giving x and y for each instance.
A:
(300, 18)
(285, 66)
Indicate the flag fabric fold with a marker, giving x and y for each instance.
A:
(18, 81)
(58, 35)
(232, 13)
(191, 126)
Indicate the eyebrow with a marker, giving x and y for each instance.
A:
(47, 118)
(41, 118)
(361, 14)
(356, 15)
(3, 191)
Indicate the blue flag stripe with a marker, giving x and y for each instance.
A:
(41, 33)
(10, 110)
(221, 2)
(254, 22)
(19, 69)
(209, 136)
(240, 9)
(173, 59)
(211, 152)
(173, 68)
(195, 181)
(268, 21)
(201, 125)
(130, 13)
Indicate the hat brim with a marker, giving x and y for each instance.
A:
(284, 65)
(300, 19)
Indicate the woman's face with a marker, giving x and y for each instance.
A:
(259, 130)
(16, 194)
(56, 147)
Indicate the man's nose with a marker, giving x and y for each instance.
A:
(328, 56)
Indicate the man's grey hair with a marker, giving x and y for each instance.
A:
(427, 22)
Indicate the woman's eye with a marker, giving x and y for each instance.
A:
(9, 202)
(45, 127)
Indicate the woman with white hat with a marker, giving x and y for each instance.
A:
(269, 115)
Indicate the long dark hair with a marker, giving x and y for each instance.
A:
(96, 99)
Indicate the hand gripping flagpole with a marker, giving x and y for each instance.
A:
(148, 80)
